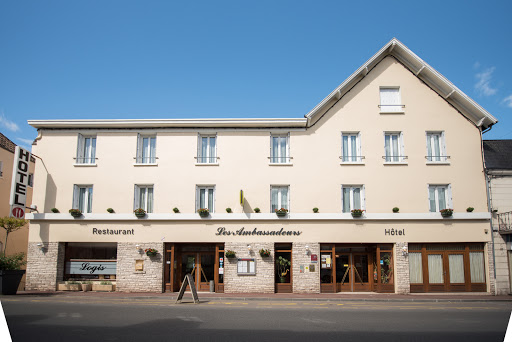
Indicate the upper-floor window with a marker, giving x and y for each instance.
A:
(207, 149)
(146, 149)
(279, 198)
(279, 149)
(436, 147)
(205, 197)
(82, 198)
(390, 100)
(439, 197)
(351, 148)
(143, 198)
(86, 151)
(1, 168)
(352, 197)
(31, 180)
(394, 147)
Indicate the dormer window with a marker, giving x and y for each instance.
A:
(390, 100)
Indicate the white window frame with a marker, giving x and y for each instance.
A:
(208, 158)
(279, 158)
(136, 198)
(280, 204)
(145, 155)
(448, 196)
(1, 169)
(433, 159)
(207, 188)
(86, 206)
(400, 156)
(349, 158)
(391, 108)
(85, 156)
(362, 196)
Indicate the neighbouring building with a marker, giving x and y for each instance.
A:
(498, 167)
(396, 133)
(18, 240)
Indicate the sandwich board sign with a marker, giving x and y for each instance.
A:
(188, 280)
(19, 183)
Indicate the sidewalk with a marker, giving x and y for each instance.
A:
(338, 297)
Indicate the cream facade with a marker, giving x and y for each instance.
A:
(389, 136)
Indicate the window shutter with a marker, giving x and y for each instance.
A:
(80, 149)
(136, 196)
(76, 193)
(139, 149)
(287, 159)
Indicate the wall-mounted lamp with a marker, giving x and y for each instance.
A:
(249, 248)
(137, 247)
(307, 250)
(40, 246)
(405, 251)
(33, 207)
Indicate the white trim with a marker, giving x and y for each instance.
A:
(142, 164)
(85, 165)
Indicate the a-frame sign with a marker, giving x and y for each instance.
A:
(188, 280)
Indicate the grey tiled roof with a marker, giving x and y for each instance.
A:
(6, 143)
(498, 154)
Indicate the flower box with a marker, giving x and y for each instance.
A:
(75, 212)
(69, 287)
(264, 253)
(151, 252)
(139, 212)
(357, 212)
(103, 288)
(230, 254)
(281, 212)
(203, 212)
(446, 212)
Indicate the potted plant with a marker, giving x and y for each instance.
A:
(257, 210)
(75, 212)
(357, 212)
(446, 212)
(283, 267)
(228, 210)
(150, 252)
(396, 209)
(470, 209)
(55, 210)
(86, 286)
(230, 254)
(139, 212)
(265, 253)
(176, 210)
(315, 210)
(203, 212)
(110, 210)
(281, 212)
(10, 266)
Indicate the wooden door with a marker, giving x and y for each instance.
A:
(205, 270)
(436, 270)
(343, 266)
(456, 271)
(361, 272)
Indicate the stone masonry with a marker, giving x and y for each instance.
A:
(45, 267)
(148, 280)
(262, 282)
(402, 283)
(502, 273)
(490, 271)
(307, 282)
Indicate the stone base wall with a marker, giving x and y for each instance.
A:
(148, 280)
(306, 282)
(262, 282)
(45, 267)
(490, 271)
(502, 268)
(402, 283)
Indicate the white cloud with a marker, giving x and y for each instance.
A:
(508, 101)
(476, 65)
(11, 126)
(26, 141)
(483, 84)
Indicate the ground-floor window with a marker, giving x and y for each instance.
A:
(447, 267)
(90, 260)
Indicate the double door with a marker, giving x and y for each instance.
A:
(353, 272)
(201, 265)
(446, 271)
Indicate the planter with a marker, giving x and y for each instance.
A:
(265, 255)
(102, 288)
(357, 214)
(151, 254)
(282, 279)
(86, 287)
(10, 280)
(69, 287)
(281, 213)
(140, 215)
(76, 214)
(446, 214)
(204, 214)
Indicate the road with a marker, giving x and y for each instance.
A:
(158, 319)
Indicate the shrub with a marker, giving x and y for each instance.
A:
(396, 209)
(257, 210)
(228, 210)
(55, 210)
(110, 210)
(176, 210)
(12, 262)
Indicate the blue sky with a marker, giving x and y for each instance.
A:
(228, 59)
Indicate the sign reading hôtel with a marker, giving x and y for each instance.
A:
(19, 183)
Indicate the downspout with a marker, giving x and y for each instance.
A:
(489, 207)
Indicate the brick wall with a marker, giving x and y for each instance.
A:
(402, 283)
(307, 282)
(44, 267)
(502, 271)
(262, 282)
(148, 280)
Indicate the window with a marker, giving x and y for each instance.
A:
(280, 149)
(31, 180)
(394, 147)
(82, 198)
(144, 198)
(436, 149)
(86, 151)
(351, 147)
(352, 197)
(205, 198)
(146, 149)
(1, 168)
(279, 198)
(207, 149)
(439, 197)
(390, 101)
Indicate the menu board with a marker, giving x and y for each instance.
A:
(326, 262)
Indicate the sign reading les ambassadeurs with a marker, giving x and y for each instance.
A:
(19, 183)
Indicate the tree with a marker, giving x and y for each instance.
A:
(10, 224)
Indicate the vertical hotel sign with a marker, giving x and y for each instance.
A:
(19, 182)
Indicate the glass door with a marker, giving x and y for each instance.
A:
(361, 267)
(343, 272)
(206, 270)
(456, 271)
(436, 272)
(188, 266)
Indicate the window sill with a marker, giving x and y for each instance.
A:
(438, 163)
(85, 165)
(207, 164)
(145, 164)
(352, 163)
(396, 163)
(280, 164)
(384, 112)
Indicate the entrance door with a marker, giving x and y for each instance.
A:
(201, 266)
(343, 273)
(353, 272)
